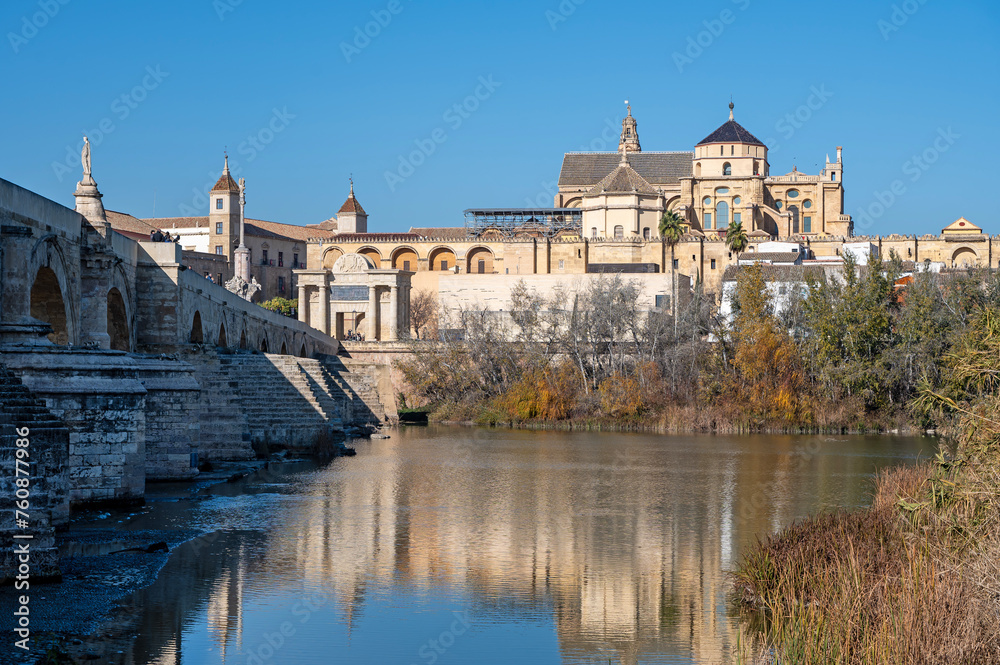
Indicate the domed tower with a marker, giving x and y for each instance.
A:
(630, 134)
(730, 151)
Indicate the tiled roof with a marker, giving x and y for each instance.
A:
(456, 232)
(259, 227)
(773, 273)
(254, 227)
(226, 184)
(658, 168)
(760, 233)
(123, 223)
(773, 257)
(731, 132)
(329, 225)
(351, 205)
(624, 179)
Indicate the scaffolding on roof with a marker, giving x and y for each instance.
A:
(531, 222)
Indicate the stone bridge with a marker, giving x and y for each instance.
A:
(128, 367)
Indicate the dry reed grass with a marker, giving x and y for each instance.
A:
(913, 579)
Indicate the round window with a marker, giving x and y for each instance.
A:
(722, 190)
(777, 204)
(737, 201)
(793, 194)
(707, 201)
(807, 204)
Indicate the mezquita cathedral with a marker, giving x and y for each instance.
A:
(604, 220)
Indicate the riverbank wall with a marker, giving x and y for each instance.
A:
(105, 423)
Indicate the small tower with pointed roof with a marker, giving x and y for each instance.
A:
(224, 214)
(352, 218)
(630, 134)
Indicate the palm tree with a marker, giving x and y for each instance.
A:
(672, 230)
(736, 239)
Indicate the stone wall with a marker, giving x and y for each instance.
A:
(99, 396)
(47, 455)
(173, 418)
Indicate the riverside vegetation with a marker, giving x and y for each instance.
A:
(915, 578)
(843, 355)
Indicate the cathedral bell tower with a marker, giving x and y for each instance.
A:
(630, 134)
(224, 215)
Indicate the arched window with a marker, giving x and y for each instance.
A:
(727, 169)
(619, 232)
(795, 218)
(593, 231)
(697, 170)
(645, 233)
(722, 215)
(756, 167)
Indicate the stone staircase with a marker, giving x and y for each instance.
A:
(349, 392)
(284, 404)
(48, 458)
(359, 380)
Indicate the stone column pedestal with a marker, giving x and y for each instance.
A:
(372, 314)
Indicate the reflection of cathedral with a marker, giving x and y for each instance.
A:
(725, 180)
(621, 548)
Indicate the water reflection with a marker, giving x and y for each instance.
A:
(456, 546)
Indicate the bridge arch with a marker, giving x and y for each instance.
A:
(243, 340)
(222, 341)
(263, 343)
(197, 335)
(125, 316)
(284, 348)
(48, 305)
(119, 329)
(51, 297)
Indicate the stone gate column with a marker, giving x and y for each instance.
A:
(303, 303)
(393, 313)
(324, 309)
(372, 313)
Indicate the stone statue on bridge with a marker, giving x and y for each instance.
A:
(242, 288)
(85, 158)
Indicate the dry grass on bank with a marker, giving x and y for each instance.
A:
(913, 579)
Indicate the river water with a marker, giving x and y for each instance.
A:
(454, 545)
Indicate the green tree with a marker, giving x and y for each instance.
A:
(672, 230)
(736, 238)
(282, 306)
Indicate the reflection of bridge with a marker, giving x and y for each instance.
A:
(123, 344)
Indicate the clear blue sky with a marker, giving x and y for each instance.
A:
(892, 91)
